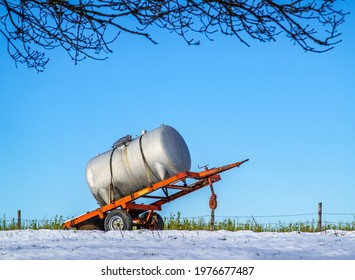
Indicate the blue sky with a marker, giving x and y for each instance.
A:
(290, 112)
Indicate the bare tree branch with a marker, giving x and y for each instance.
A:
(87, 28)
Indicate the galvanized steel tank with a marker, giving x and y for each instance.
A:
(147, 159)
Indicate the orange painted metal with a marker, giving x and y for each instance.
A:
(177, 183)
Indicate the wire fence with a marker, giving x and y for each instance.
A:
(280, 222)
(13, 224)
(328, 218)
(306, 222)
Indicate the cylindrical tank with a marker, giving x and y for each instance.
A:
(147, 159)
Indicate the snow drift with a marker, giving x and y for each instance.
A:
(175, 245)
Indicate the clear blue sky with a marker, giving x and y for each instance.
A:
(291, 113)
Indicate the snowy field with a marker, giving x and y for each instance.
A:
(175, 245)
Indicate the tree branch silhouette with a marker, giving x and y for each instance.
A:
(87, 28)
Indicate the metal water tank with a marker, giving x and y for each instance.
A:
(132, 165)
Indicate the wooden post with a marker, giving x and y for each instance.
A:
(18, 219)
(212, 220)
(320, 216)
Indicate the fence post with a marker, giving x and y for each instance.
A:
(320, 216)
(18, 219)
(212, 220)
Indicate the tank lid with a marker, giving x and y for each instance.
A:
(122, 141)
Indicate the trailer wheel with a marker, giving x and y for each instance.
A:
(118, 220)
(156, 223)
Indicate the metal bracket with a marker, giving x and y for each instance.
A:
(203, 167)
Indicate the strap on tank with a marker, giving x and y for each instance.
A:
(148, 170)
(110, 190)
(120, 142)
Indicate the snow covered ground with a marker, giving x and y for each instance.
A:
(175, 245)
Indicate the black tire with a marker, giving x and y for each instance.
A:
(156, 222)
(118, 220)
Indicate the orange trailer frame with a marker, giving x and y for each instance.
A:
(179, 183)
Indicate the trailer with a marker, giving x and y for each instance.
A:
(127, 213)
